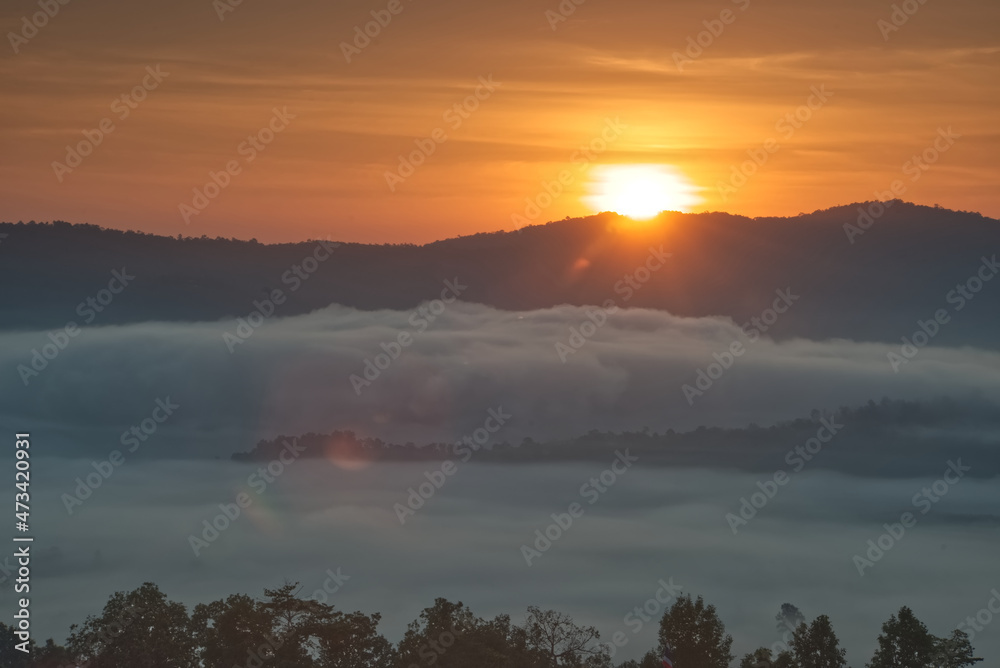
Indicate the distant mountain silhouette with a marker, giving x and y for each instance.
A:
(890, 439)
(898, 271)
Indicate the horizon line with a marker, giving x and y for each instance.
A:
(647, 222)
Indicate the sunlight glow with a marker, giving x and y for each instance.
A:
(640, 191)
(346, 456)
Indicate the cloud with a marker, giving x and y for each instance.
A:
(293, 376)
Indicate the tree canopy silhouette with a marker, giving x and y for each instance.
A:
(143, 629)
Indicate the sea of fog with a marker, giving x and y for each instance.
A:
(465, 543)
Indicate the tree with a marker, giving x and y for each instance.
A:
(9, 654)
(297, 625)
(696, 634)
(441, 637)
(51, 655)
(784, 660)
(904, 643)
(563, 643)
(762, 657)
(816, 645)
(143, 629)
(649, 660)
(502, 644)
(233, 632)
(139, 629)
(352, 641)
(955, 651)
(759, 658)
(448, 635)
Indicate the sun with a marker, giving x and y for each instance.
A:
(640, 191)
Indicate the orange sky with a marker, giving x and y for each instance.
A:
(325, 173)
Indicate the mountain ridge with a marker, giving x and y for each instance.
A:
(873, 284)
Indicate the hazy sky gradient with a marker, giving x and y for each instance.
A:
(324, 175)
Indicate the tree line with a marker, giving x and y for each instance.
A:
(890, 431)
(144, 629)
